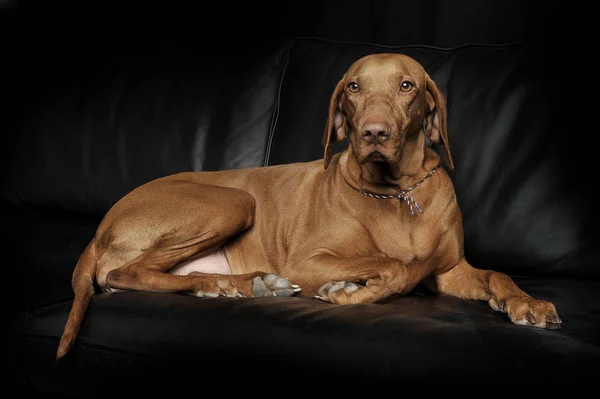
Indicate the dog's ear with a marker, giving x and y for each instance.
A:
(437, 119)
(335, 127)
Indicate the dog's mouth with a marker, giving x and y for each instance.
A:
(376, 156)
(379, 157)
(364, 152)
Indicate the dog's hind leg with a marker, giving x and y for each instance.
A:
(145, 275)
(167, 223)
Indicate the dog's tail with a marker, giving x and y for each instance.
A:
(83, 288)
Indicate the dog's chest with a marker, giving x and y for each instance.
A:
(402, 236)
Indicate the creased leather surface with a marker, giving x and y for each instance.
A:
(82, 142)
(525, 210)
(408, 338)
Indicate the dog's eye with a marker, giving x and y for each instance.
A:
(406, 86)
(353, 87)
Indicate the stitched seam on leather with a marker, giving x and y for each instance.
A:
(275, 116)
(423, 46)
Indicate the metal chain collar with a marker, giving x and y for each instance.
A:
(403, 195)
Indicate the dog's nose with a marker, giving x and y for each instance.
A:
(376, 132)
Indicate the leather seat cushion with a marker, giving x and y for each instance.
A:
(414, 338)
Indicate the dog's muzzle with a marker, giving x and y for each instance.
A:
(376, 132)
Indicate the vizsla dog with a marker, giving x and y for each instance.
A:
(356, 227)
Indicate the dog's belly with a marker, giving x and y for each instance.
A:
(213, 263)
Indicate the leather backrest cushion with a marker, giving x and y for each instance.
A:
(517, 201)
(85, 137)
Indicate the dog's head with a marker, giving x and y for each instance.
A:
(380, 103)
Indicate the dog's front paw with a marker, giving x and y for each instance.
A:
(336, 291)
(531, 312)
(273, 285)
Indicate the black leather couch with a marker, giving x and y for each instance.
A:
(97, 137)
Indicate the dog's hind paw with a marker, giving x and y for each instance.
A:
(273, 285)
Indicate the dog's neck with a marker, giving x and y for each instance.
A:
(416, 160)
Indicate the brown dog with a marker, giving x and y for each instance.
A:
(355, 227)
